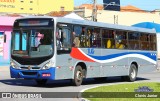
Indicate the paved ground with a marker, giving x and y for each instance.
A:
(19, 85)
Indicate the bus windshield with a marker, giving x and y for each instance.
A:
(32, 43)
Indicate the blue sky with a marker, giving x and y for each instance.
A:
(142, 4)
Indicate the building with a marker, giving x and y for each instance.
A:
(128, 15)
(35, 6)
(6, 23)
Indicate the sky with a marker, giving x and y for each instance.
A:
(142, 4)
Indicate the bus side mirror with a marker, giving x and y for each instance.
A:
(5, 38)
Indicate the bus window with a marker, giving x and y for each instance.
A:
(58, 38)
(77, 30)
(63, 36)
(108, 38)
(24, 41)
(96, 38)
(133, 40)
(153, 45)
(89, 37)
(66, 38)
(144, 41)
(120, 39)
(83, 37)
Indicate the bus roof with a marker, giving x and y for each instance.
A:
(96, 24)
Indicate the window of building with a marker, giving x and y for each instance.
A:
(31, 1)
(22, 8)
(31, 9)
(62, 8)
(21, 1)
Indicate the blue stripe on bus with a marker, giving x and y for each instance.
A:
(149, 55)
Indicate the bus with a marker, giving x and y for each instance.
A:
(57, 48)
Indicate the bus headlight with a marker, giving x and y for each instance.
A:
(47, 65)
(14, 65)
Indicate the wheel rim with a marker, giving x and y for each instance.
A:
(79, 75)
(133, 73)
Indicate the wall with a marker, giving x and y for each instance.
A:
(6, 46)
(124, 18)
(6, 24)
(35, 6)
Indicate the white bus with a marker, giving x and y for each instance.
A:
(56, 48)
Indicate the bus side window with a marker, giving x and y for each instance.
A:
(153, 45)
(77, 30)
(64, 39)
(121, 41)
(108, 38)
(96, 37)
(133, 40)
(89, 35)
(83, 37)
(58, 39)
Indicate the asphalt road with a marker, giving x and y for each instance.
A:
(20, 85)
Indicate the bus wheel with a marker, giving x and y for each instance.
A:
(78, 76)
(41, 82)
(100, 79)
(132, 73)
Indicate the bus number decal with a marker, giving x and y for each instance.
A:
(90, 50)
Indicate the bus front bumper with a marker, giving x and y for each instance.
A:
(33, 74)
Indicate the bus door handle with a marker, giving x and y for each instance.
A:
(69, 59)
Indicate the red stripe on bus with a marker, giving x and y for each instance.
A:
(75, 53)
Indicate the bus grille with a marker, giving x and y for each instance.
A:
(29, 73)
(33, 68)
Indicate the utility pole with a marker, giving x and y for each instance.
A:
(115, 19)
(94, 11)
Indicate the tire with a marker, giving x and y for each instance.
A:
(100, 79)
(132, 73)
(78, 76)
(84, 73)
(41, 82)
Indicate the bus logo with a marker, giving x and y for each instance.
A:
(90, 50)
